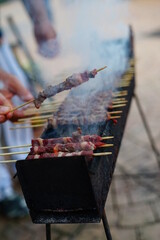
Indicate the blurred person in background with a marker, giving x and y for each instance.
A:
(45, 34)
(12, 205)
(12, 92)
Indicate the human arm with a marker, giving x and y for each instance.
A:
(43, 29)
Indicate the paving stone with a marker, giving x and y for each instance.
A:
(142, 162)
(123, 234)
(135, 154)
(156, 208)
(122, 189)
(151, 232)
(68, 230)
(92, 232)
(136, 215)
(109, 198)
(111, 216)
(10, 231)
(141, 190)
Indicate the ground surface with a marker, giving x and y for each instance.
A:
(133, 205)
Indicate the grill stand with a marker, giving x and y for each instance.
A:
(48, 231)
(148, 131)
(105, 225)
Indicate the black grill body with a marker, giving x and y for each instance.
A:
(70, 189)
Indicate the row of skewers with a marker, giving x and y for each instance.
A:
(77, 145)
(40, 117)
(37, 118)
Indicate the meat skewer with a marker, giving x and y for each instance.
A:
(77, 145)
(64, 154)
(29, 145)
(83, 77)
(68, 147)
(72, 81)
(64, 140)
(51, 155)
(62, 148)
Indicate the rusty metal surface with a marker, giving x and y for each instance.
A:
(89, 182)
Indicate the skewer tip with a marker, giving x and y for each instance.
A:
(22, 105)
(100, 69)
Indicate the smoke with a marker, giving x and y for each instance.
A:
(84, 27)
(91, 34)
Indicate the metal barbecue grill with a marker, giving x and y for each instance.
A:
(69, 189)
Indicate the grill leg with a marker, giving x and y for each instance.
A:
(106, 226)
(148, 131)
(48, 231)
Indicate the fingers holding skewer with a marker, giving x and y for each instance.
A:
(22, 105)
(11, 87)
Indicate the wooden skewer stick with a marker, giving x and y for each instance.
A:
(123, 85)
(100, 69)
(8, 161)
(118, 99)
(94, 154)
(107, 137)
(13, 153)
(35, 114)
(121, 93)
(115, 112)
(35, 111)
(32, 121)
(114, 117)
(118, 105)
(45, 120)
(39, 112)
(22, 105)
(119, 102)
(126, 78)
(102, 154)
(46, 104)
(106, 145)
(28, 126)
(129, 75)
(29, 145)
(37, 117)
(20, 146)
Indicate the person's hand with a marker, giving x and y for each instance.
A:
(11, 87)
(44, 31)
(46, 38)
(5, 107)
